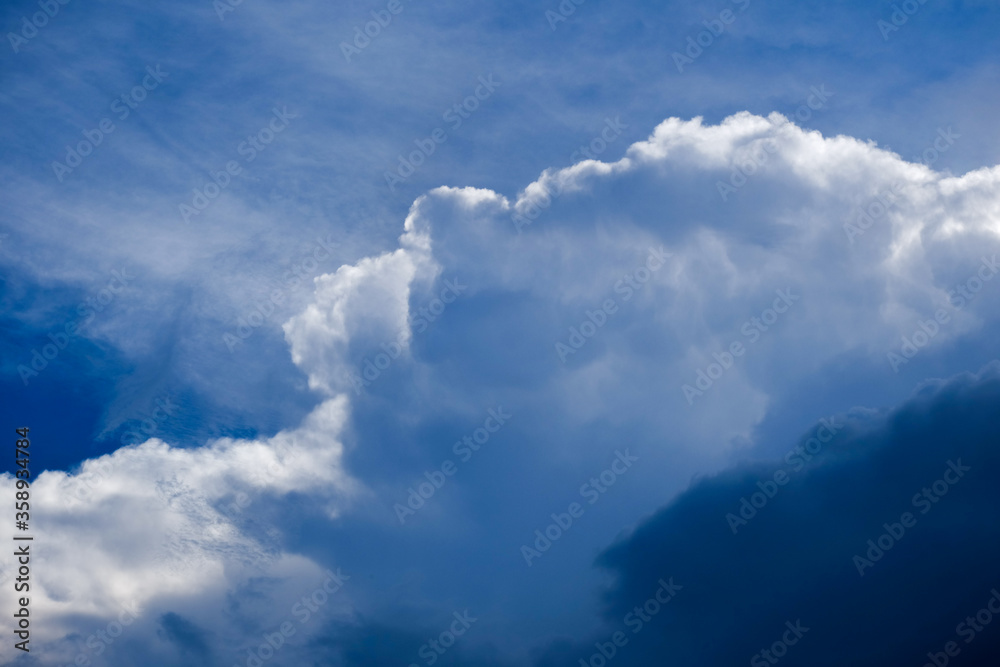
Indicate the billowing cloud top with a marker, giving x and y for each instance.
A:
(678, 301)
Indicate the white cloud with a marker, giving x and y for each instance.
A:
(150, 529)
(368, 301)
(781, 226)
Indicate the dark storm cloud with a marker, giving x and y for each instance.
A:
(931, 464)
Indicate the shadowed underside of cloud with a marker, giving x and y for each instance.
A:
(800, 568)
(794, 559)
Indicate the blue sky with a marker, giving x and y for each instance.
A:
(261, 290)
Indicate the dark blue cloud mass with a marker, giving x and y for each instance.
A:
(884, 544)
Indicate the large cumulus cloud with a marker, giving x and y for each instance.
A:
(870, 244)
(593, 227)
